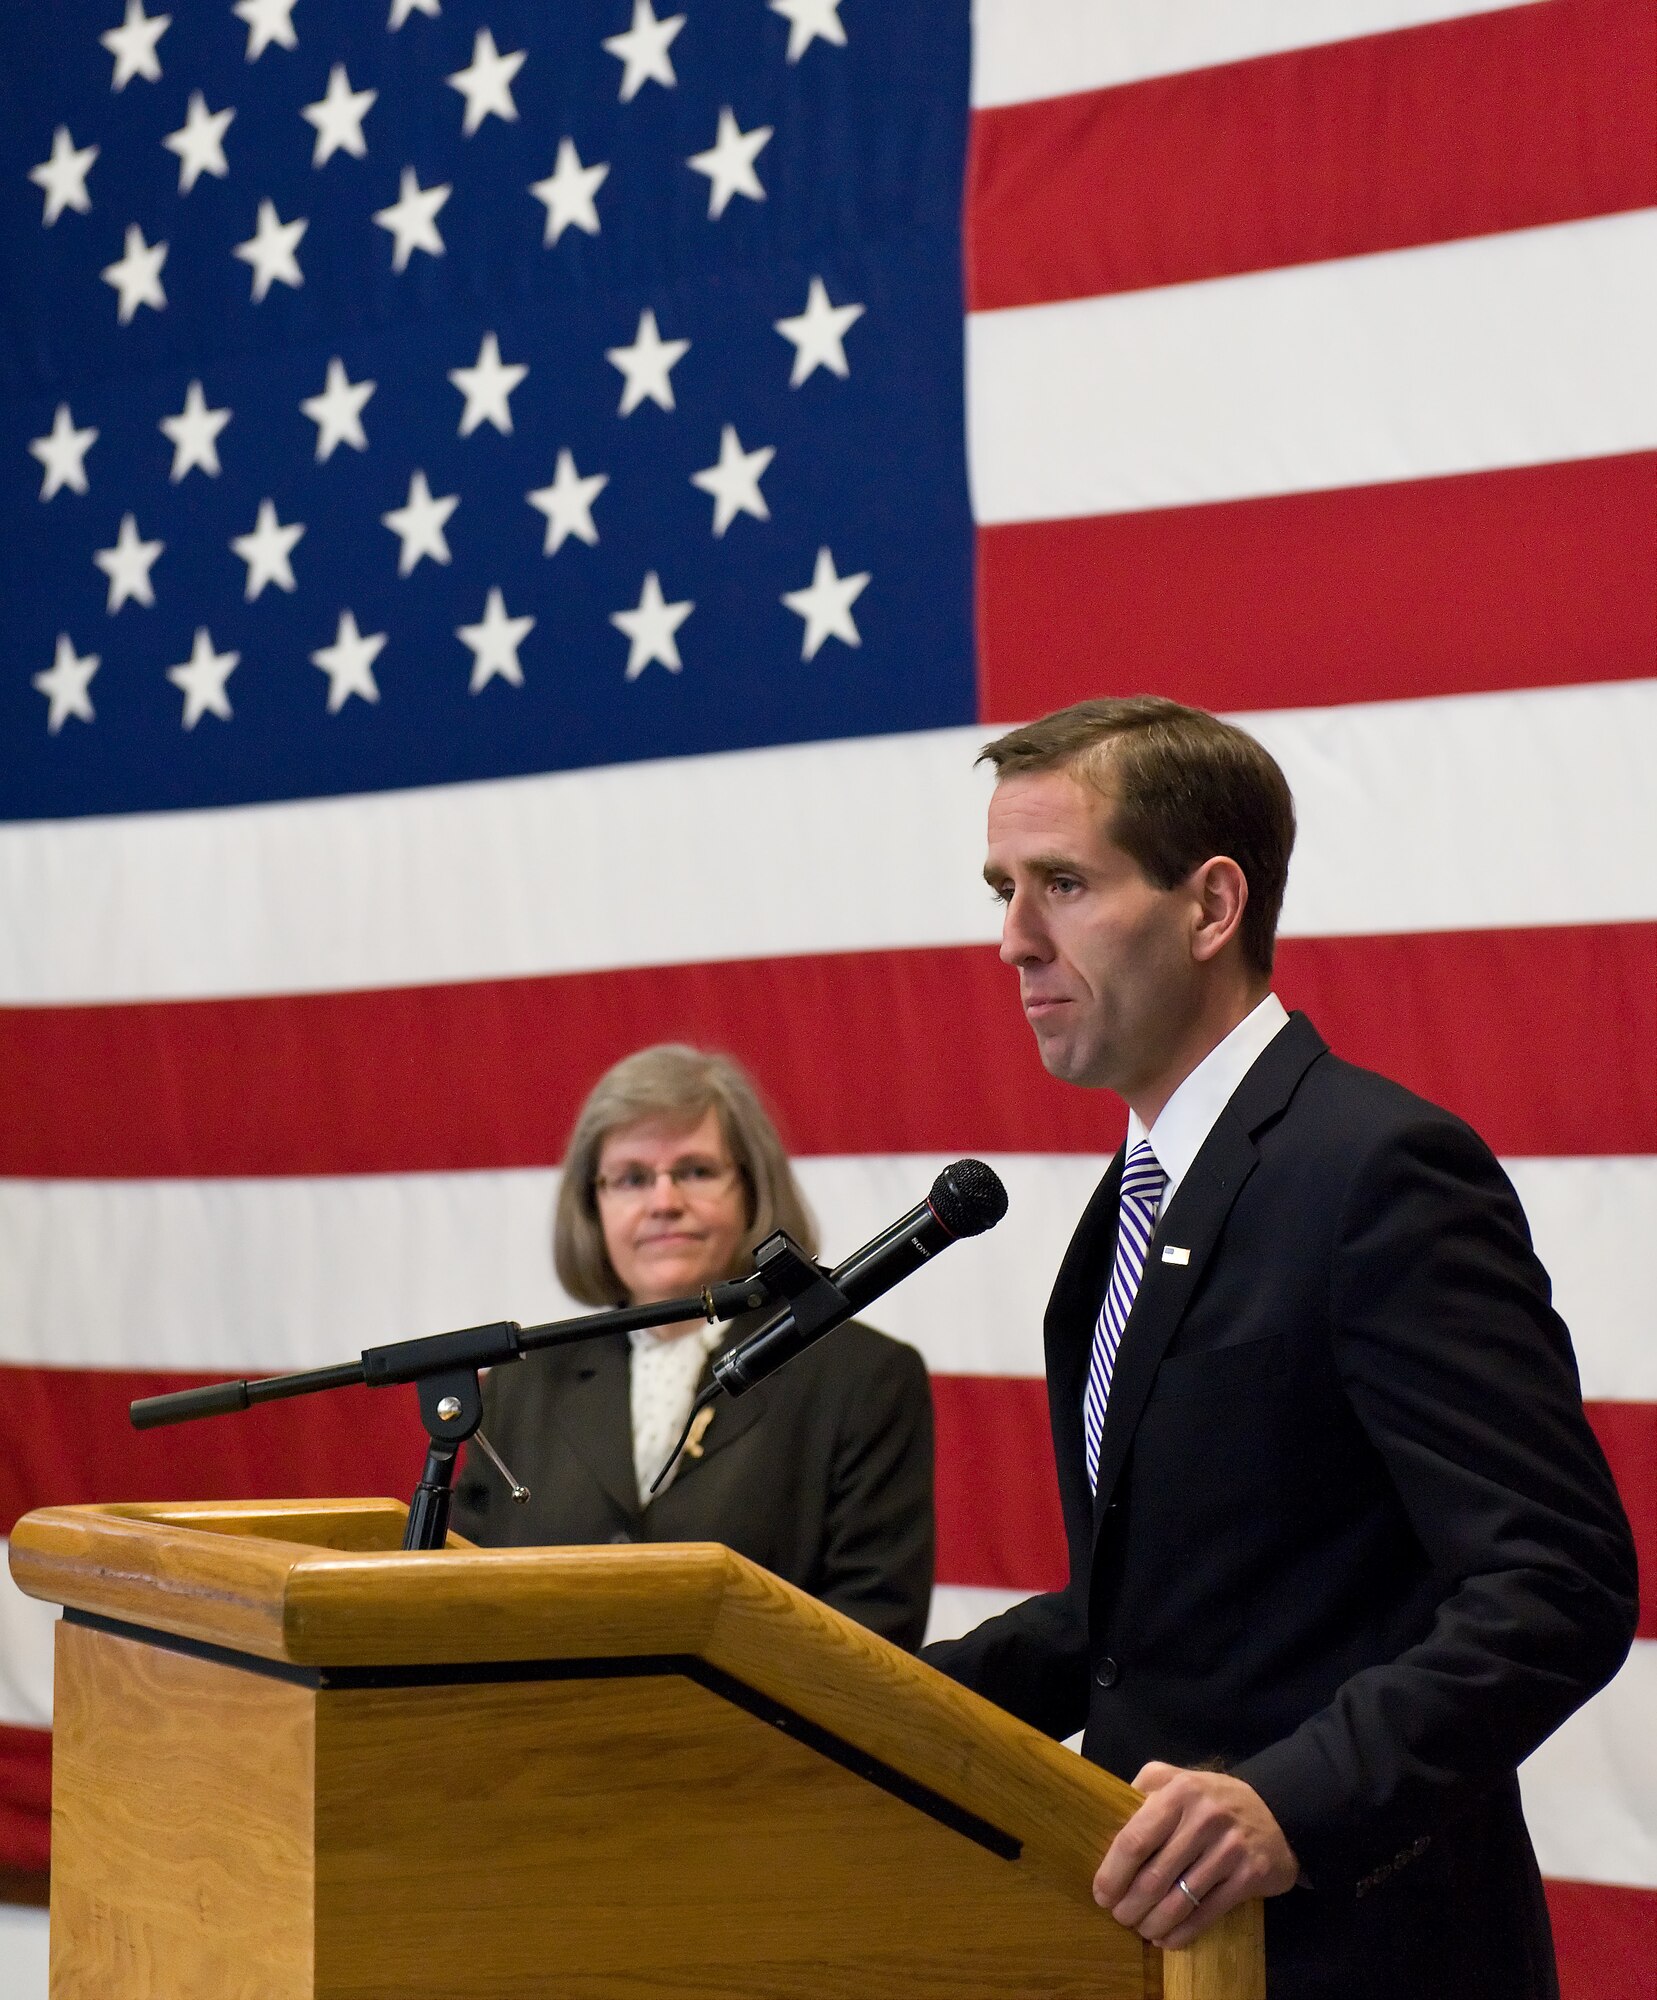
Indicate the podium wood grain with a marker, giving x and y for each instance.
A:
(567, 1791)
(181, 1844)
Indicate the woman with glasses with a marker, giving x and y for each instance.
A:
(822, 1473)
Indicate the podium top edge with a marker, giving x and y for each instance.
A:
(327, 1582)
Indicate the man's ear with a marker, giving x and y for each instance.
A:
(1221, 894)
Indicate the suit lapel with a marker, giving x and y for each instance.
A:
(1192, 1221)
(594, 1413)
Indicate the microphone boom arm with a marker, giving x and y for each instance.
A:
(445, 1368)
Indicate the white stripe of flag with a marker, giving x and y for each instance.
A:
(1522, 348)
(1026, 49)
(1525, 808)
(203, 1275)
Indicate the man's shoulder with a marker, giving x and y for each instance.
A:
(1340, 1114)
(1334, 1081)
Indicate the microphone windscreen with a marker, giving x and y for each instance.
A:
(968, 1198)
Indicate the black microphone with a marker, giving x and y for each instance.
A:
(966, 1199)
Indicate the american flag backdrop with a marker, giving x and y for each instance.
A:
(514, 522)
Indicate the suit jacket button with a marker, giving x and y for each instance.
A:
(1106, 1672)
(621, 1535)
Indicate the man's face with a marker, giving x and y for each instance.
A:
(1104, 959)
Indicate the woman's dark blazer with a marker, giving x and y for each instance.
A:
(1354, 1539)
(822, 1473)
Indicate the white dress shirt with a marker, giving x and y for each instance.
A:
(1188, 1117)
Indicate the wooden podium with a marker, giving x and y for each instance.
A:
(292, 1762)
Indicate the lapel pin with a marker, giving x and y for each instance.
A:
(1175, 1253)
(698, 1430)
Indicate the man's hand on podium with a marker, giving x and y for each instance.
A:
(1200, 1844)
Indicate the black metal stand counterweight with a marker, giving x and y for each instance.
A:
(451, 1408)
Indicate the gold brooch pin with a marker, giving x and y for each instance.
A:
(698, 1431)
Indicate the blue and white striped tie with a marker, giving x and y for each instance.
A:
(1142, 1183)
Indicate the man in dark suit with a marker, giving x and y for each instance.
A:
(1343, 1548)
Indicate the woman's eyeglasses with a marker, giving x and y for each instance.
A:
(692, 1178)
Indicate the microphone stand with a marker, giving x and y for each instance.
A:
(444, 1367)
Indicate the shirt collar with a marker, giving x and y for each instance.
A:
(707, 1338)
(1188, 1117)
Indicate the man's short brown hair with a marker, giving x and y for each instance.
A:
(1185, 787)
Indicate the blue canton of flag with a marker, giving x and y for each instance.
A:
(399, 397)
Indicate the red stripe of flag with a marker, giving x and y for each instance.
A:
(1605, 1939)
(999, 1525)
(1458, 1017)
(1540, 1038)
(76, 1447)
(1499, 121)
(998, 1511)
(25, 1800)
(1544, 576)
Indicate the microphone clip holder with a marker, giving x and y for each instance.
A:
(815, 1304)
(813, 1298)
(783, 1273)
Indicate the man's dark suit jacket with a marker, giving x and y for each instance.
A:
(822, 1473)
(1354, 1540)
